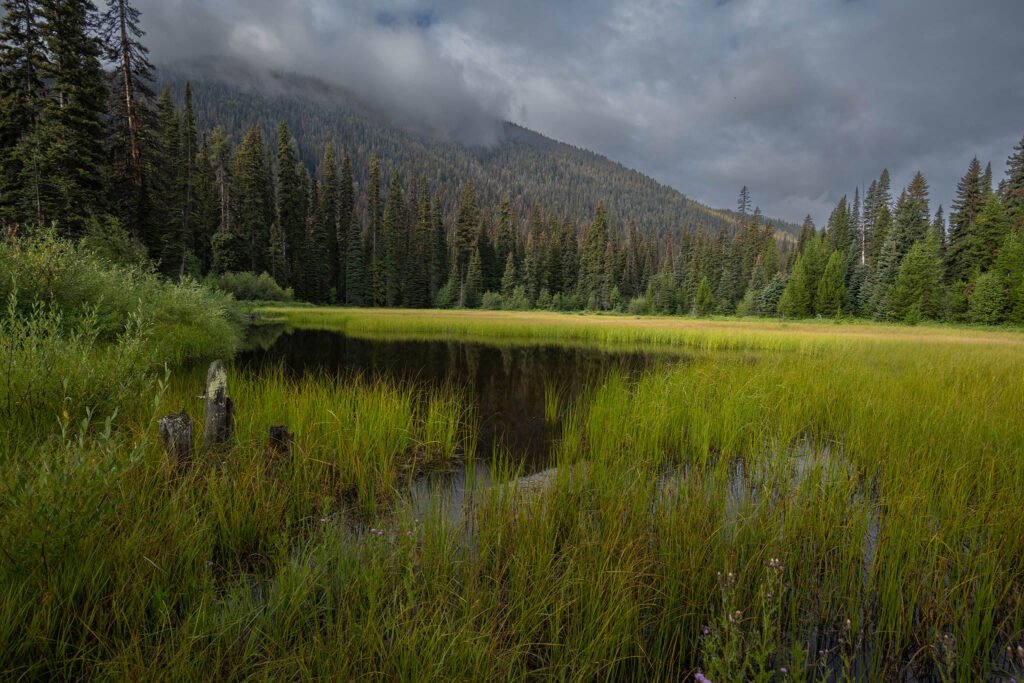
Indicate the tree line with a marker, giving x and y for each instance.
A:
(89, 147)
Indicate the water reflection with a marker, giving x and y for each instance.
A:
(508, 384)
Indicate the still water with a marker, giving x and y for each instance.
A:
(507, 384)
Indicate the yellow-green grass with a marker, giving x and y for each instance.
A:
(511, 327)
(880, 466)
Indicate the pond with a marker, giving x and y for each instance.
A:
(508, 385)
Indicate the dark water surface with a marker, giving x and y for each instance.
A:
(507, 384)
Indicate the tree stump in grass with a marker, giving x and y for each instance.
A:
(220, 411)
(281, 441)
(176, 433)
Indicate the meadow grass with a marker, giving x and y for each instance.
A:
(618, 332)
(833, 501)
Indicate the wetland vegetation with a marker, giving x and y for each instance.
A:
(733, 499)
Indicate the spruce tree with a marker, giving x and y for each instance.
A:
(509, 279)
(796, 300)
(593, 243)
(1013, 188)
(473, 288)
(917, 293)
(291, 218)
(830, 298)
(130, 112)
(69, 136)
(346, 219)
(252, 204)
(985, 235)
(704, 299)
(464, 239)
(330, 199)
(22, 56)
(438, 251)
(316, 257)
(391, 247)
(969, 201)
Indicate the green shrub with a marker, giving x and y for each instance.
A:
(251, 287)
(184, 322)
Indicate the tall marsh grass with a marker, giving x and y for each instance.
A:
(846, 509)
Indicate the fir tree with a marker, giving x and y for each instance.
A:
(830, 298)
(69, 136)
(796, 300)
(131, 91)
(969, 201)
(917, 292)
(391, 249)
(329, 199)
(743, 203)
(289, 207)
(510, 279)
(704, 299)
(22, 56)
(1013, 188)
(252, 208)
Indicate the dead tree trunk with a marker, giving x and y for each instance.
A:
(220, 411)
(176, 432)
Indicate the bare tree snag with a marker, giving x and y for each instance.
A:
(176, 433)
(220, 411)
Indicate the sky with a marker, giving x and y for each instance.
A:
(800, 100)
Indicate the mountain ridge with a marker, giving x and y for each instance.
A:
(527, 166)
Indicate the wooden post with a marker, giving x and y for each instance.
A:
(220, 411)
(176, 432)
(281, 441)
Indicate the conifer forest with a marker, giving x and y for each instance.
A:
(296, 384)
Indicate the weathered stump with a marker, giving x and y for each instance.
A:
(220, 411)
(281, 441)
(176, 433)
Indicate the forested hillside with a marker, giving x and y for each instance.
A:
(523, 166)
(235, 172)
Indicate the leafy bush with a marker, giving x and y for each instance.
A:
(81, 336)
(183, 322)
(251, 287)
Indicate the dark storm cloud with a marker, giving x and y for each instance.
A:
(801, 100)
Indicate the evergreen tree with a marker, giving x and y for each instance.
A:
(830, 298)
(374, 218)
(917, 292)
(330, 199)
(22, 56)
(510, 279)
(474, 281)
(592, 248)
(969, 201)
(277, 261)
(252, 207)
(350, 246)
(988, 299)
(796, 300)
(984, 236)
(438, 251)
(289, 206)
(391, 247)
(464, 239)
(69, 137)
(1013, 188)
(704, 299)
(743, 203)
(131, 95)
(316, 256)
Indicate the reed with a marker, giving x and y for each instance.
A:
(794, 502)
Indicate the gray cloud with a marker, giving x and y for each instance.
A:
(801, 100)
